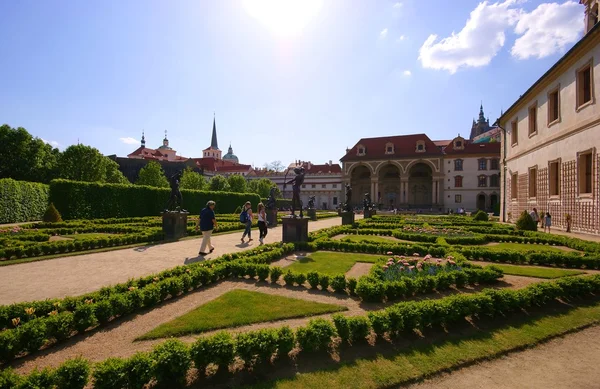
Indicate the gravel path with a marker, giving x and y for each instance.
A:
(76, 275)
(568, 362)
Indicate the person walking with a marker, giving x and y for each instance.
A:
(535, 216)
(207, 222)
(547, 222)
(262, 223)
(248, 230)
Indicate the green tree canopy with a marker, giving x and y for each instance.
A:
(237, 183)
(113, 174)
(152, 175)
(262, 187)
(219, 183)
(193, 180)
(82, 163)
(23, 157)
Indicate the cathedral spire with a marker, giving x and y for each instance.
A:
(143, 139)
(481, 115)
(213, 142)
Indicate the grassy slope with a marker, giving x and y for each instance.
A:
(237, 308)
(331, 263)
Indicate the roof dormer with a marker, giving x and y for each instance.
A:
(361, 150)
(420, 147)
(389, 148)
(458, 143)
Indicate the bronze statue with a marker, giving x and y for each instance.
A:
(271, 202)
(367, 203)
(311, 202)
(175, 199)
(347, 205)
(297, 184)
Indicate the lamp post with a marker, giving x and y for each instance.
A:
(504, 169)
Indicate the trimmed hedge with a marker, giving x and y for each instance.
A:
(22, 201)
(89, 200)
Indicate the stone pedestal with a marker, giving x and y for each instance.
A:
(271, 218)
(174, 224)
(294, 229)
(368, 213)
(312, 214)
(347, 218)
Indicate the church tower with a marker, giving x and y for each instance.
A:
(213, 151)
(482, 125)
(143, 140)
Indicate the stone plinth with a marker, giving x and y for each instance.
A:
(271, 218)
(174, 224)
(369, 212)
(294, 229)
(347, 218)
(312, 214)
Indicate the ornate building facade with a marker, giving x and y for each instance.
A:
(551, 136)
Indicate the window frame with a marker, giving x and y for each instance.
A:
(591, 152)
(461, 165)
(457, 198)
(551, 181)
(458, 180)
(514, 132)
(479, 177)
(497, 178)
(514, 186)
(494, 161)
(579, 105)
(552, 121)
(535, 182)
(532, 120)
(479, 161)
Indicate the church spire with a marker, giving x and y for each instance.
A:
(213, 142)
(143, 139)
(481, 115)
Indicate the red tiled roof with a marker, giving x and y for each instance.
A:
(442, 143)
(324, 168)
(474, 148)
(404, 146)
(212, 164)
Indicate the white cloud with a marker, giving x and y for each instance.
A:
(397, 5)
(383, 33)
(406, 73)
(548, 29)
(476, 44)
(129, 140)
(401, 38)
(52, 143)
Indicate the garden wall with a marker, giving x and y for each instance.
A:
(22, 201)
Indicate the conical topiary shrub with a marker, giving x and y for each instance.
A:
(526, 223)
(52, 215)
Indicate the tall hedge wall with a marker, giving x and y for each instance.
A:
(22, 201)
(88, 200)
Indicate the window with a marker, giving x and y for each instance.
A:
(584, 86)
(514, 132)
(482, 164)
(554, 184)
(335, 201)
(553, 106)
(533, 120)
(482, 181)
(494, 181)
(458, 198)
(584, 172)
(458, 144)
(334, 186)
(514, 188)
(313, 186)
(323, 186)
(389, 148)
(304, 186)
(532, 182)
(458, 165)
(360, 150)
(420, 146)
(494, 164)
(458, 181)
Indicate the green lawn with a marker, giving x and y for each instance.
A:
(539, 272)
(88, 235)
(521, 247)
(330, 263)
(427, 359)
(238, 308)
(370, 239)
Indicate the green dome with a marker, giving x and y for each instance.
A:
(230, 156)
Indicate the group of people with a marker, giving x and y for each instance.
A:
(207, 223)
(545, 220)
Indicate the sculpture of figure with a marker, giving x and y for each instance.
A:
(347, 205)
(367, 204)
(271, 202)
(311, 202)
(175, 199)
(297, 184)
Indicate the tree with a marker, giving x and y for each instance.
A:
(262, 187)
(82, 163)
(113, 174)
(237, 183)
(23, 157)
(152, 175)
(275, 165)
(192, 180)
(219, 184)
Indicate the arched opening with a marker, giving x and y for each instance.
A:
(481, 202)
(420, 185)
(494, 201)
(389, 186)
(360, 181)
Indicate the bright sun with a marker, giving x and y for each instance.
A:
(285, 18)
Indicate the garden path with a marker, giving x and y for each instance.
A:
(76, 275)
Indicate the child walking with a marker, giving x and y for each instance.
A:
(248, 230)
(547, 222)
(262, 222)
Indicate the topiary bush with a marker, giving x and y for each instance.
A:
(73, 374)
(9, 379)
(171, 362)
(526, 223)
(138, 370)
(110, 374)
(481, 216)
(316, 335)
(52, 215)
(218, 349)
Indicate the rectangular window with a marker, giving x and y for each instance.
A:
(458, 181)
(554, 184)
(482, 181)
(494, 181)
(584, 86)
(335, 201)
(323, 186)
(494, 164)
(533, 120)
(458, 198)
(390, 149)
(514, 132)
(585, 168)
(483, 164)
(334, 186)
(458, 165)
(533, 182)
(303, 186)
(514, 188)
(553, 106)
(313, 186)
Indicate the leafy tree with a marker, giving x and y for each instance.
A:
(113, 174)
(193, 180)
(262, 187)
(82, 163)
(23, 157)
(219, 183)
(237, 183)
(152, 175)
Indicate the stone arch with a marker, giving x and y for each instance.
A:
(360, 181)
(355, 165)
(417, 161)
(420, 184)
(481, 201)
(388, 178)
(387, 163)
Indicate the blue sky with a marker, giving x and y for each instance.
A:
(302, 82)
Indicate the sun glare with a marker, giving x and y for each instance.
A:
(285, 18)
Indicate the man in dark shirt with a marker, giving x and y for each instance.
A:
(207, 222)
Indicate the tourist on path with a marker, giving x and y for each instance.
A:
(207, 222)
(248, 230)
(547, 222)
(262, 222)
(535, 216)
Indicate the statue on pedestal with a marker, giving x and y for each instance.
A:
(271, 201)
(347, 205)
(367, 203)
(175, 199)
(297, 184)
(311, 202)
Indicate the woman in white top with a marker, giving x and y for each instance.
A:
(262, 222)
